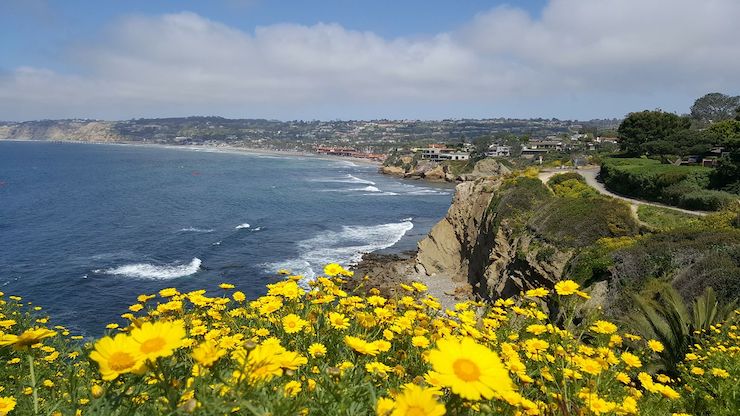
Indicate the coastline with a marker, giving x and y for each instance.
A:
(214, 149)
(401, 248)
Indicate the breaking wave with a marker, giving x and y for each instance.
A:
(155, 272)
(345, 246)
(242, 226)
(369, 188)
(345, 179)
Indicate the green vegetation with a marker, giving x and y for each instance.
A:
(648, 126)
(517, 200)
(664, 219)
(683, 186)
(571, 185)
(459, 167)
(668, 319)
(581, 221)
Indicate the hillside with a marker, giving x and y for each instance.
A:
(504, 235)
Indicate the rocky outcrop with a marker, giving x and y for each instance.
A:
(486, 245)
(485, 168)
(405, 167)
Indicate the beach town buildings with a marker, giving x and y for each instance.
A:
(498, 150)
(439, 152)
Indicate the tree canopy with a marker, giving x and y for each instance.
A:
(714, 107)
(649, 126)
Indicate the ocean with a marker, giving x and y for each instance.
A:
(84, 229)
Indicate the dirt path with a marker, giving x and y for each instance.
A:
(590, 175)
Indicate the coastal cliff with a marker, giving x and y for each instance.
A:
(484, 241)
(503, 235)
(445, 171)
(68, 130)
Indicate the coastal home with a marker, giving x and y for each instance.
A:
(455, 156)
(548, 145)
(336, 151)
(497, 150)
(435, 151)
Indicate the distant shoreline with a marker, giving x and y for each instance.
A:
(215, 149)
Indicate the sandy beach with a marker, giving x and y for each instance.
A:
(220, 149)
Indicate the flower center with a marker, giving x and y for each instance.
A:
(466, 370)
(415, 411)
(152, 345)
(120, 360)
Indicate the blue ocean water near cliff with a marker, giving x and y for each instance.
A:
(84, 229)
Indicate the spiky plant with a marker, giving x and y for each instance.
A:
(666, 318)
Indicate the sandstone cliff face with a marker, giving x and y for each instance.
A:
(77, 130)
(480, 245)
(440, 172)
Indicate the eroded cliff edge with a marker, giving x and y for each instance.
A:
(505, 234)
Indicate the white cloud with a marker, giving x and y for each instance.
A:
(580, 58)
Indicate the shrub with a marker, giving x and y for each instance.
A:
(664, 219)
(578, 222)
(684, 257)
(562, 177)
(683, 186)
(573, 188)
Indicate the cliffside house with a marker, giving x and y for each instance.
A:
(539, 147)
(497, 150)
(455, 156)
(435, 151)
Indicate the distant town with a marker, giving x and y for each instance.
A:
(375, 139)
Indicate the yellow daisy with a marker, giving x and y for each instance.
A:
(159, 339)
(116, 356)
(417, 401)
(471, 370)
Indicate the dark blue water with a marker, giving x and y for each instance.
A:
(84, 229)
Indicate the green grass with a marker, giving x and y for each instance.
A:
(459, 167)
(664, 219)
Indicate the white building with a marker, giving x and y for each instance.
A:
(455, 156)
(496, 150)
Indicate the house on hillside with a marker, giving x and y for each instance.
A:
(455, 156)
(434, 152)
(497, 150)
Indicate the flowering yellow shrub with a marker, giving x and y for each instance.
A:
(319, 349)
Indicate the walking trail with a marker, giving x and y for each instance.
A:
(591, 173)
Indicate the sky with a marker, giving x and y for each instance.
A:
(351, 59)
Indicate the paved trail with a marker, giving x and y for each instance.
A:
(590, 175)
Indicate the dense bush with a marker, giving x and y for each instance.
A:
(683, 186)
(691, 258)
(562, 177)
(518, 198)
(579, 222)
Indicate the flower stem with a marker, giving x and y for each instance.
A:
(33, 386)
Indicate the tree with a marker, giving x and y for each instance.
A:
(647, 126)
(683, 143)
(714, 107)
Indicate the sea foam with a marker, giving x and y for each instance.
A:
(345, 246)
(196, 230)
(345, 179)
(155, 272)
